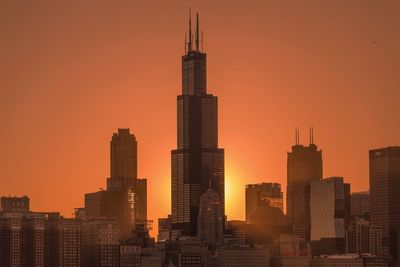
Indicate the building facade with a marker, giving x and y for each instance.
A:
(328, 219)
(384, 180)
(211, 219)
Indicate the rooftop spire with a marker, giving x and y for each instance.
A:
(197, 32)
(190, 43)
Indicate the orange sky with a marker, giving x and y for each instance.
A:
(72, 72)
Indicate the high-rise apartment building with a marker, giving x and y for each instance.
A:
(39, 239)
(328, 215)
(197, 161)
(384, 180)
(264, 194)
(304, 165)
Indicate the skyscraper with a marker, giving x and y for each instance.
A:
(304, 165)
(126, 196)
(197, 159)
(384, 180)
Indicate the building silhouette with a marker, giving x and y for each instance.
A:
(304, 165)
(210, 219)
(125, 198)
(197, 159)
(14, 204)
(384, 180)
(39, 239)
(260, 195)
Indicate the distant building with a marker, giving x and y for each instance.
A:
(360, 204)
(328, 220)
(337, 261)
(63, 241)
(126, 196)
(358, 237)
(101, 243)
(292, 246)
(123, 155)
(384, 180)
(260, 195)
(39, 239)
(211, 219)
(376, 240)
(15, 204)
(304, 165)
(130, 255)
(164, 228)
(246, 256)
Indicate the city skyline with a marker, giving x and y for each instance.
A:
(265, 163)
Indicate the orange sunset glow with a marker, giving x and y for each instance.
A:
(73, 72)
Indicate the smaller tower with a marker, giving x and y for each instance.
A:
(210, 219)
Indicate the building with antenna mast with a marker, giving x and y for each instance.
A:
(304, 165)
(197, 159)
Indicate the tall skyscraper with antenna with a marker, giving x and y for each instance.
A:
(304, 165)
(197, 161)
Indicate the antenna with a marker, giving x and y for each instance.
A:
(197, 32)
(190, 31)
(312, 134)
(202, 44)
(185, 44)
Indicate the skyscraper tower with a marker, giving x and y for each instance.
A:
(197, 159)
(304, 165)
(123, 154)
(384, 181)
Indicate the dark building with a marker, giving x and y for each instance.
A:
(101, 243)
(211, 219)
(15, 204)
(164, 229)
(384, 180)
(39, 239)
(62, 241)
(304, 165)
(123, 155)
(260, 195)
(126, 196)
(360, 204)
(357, 237)
(197, 159)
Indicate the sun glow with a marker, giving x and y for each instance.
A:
(234, 195)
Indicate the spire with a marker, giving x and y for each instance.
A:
(190, 43)
(297, 136)
(197, 32)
